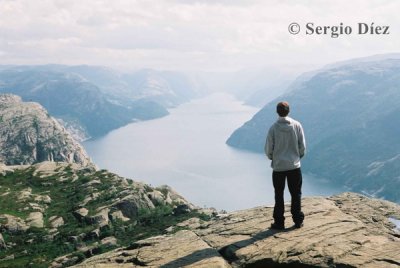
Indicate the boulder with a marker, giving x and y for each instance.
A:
(35, 219)
(37, 207)
(80, 214)
(130, 205)
(56, 221)
(157, 198)
(101, 218)
(118, 215)
(128, 208)
(173, 197)
(13, 224)
(110, 241)
(43, 198)
(181, 209)
(25, 194)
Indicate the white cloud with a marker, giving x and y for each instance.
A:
(188, 35)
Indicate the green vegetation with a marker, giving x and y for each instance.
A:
(22, 192)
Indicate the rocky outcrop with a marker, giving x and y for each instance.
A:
(347, 230)
(28, 134)
(13, 224)
(90, 211)
(161, 250)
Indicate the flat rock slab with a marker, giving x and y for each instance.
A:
(347, 230)
(182, 249)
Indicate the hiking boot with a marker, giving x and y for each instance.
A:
(277, 226)
(298, 225)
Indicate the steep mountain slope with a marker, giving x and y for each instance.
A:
(29, 135)
(349, 113)
(77, 102)
(346, 230)
(57, 214)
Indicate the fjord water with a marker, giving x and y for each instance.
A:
(187, 151)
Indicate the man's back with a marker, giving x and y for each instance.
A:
(285, 144)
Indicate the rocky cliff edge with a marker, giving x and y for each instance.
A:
(346, 230)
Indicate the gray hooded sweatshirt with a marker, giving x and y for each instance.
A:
(285, 144)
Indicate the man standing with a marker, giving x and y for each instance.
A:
(285, 146)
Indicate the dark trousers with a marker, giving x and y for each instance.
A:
(294, 180)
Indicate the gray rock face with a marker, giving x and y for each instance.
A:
(28, 134)
(348, 230)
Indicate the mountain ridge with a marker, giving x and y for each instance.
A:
(93, 100)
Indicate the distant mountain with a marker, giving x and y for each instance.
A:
(350, 115)
(79, 104)
(28, 134)
(167, 88)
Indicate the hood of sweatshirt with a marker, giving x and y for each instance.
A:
(284, 124)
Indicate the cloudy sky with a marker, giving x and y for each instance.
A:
(216, 35)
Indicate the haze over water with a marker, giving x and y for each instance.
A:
(187, 151)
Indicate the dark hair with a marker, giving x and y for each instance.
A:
(283, 108)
